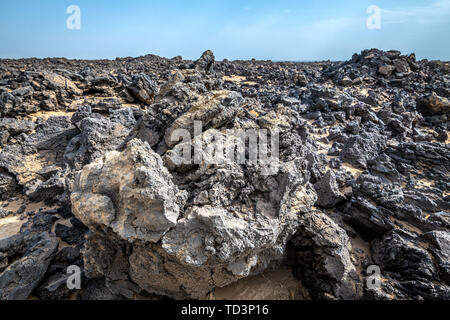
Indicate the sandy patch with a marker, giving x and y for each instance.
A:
(36, 206)
(234, 78)
(364, 92)
(359, 243)
(131, 105)
(28, 167)
(347, 190)
(360, 250)
(10, 226)
(425, 182)
(254, 113)
(354, 171)
(270, 285)
(240, 80)
(13, 206)
(47, 114)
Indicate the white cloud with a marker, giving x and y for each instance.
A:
(432, 13)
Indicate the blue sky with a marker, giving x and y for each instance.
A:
(235, 29)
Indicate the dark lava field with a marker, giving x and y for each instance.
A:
(359, 207)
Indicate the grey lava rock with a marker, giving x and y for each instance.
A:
(130, 192)
(143, 88)
(328, 193)
(21, 277)
(92, 174)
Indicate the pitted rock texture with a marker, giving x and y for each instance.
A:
(131, 193)
(130, 197)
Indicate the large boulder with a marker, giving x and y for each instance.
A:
(327, 269)
(212, 111)
(328, 191)
(143, 88)
(130, 192)
(206, 62)
(184, 251)
(26, 256)
(58, 82)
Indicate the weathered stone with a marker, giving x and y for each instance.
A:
(212, 111)
(56, 81)
(143, 88)
(386, 70)
(434, 104)
(206, 62)
(20, 278)
(130, 192)
(328, 191)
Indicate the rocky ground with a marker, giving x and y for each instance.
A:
(89, 177)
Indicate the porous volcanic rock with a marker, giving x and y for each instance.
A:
(131, 193)
(102, 166)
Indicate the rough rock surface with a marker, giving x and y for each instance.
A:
(208, 247)
(93, 174)
(30, 253)
(130, 193)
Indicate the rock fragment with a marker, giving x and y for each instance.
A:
(130, 192)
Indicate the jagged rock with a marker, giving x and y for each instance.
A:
(207, 240)
(97, 290)
(55, 81)
(402, 257)
(71, 235)
(327, 269)
(16, 127)
(49, 142)
(143, 88)
(84, 111)
(17, 102)
(8, 186)
(434, 104)
(328, 191)
(98, 135)
(48, 190)
(401, 66)
(211, 247)
(362, 148)
(394, 257)
(130, 192)
(213, 111)
(20, 278)
(206, 62)
(440, 247)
